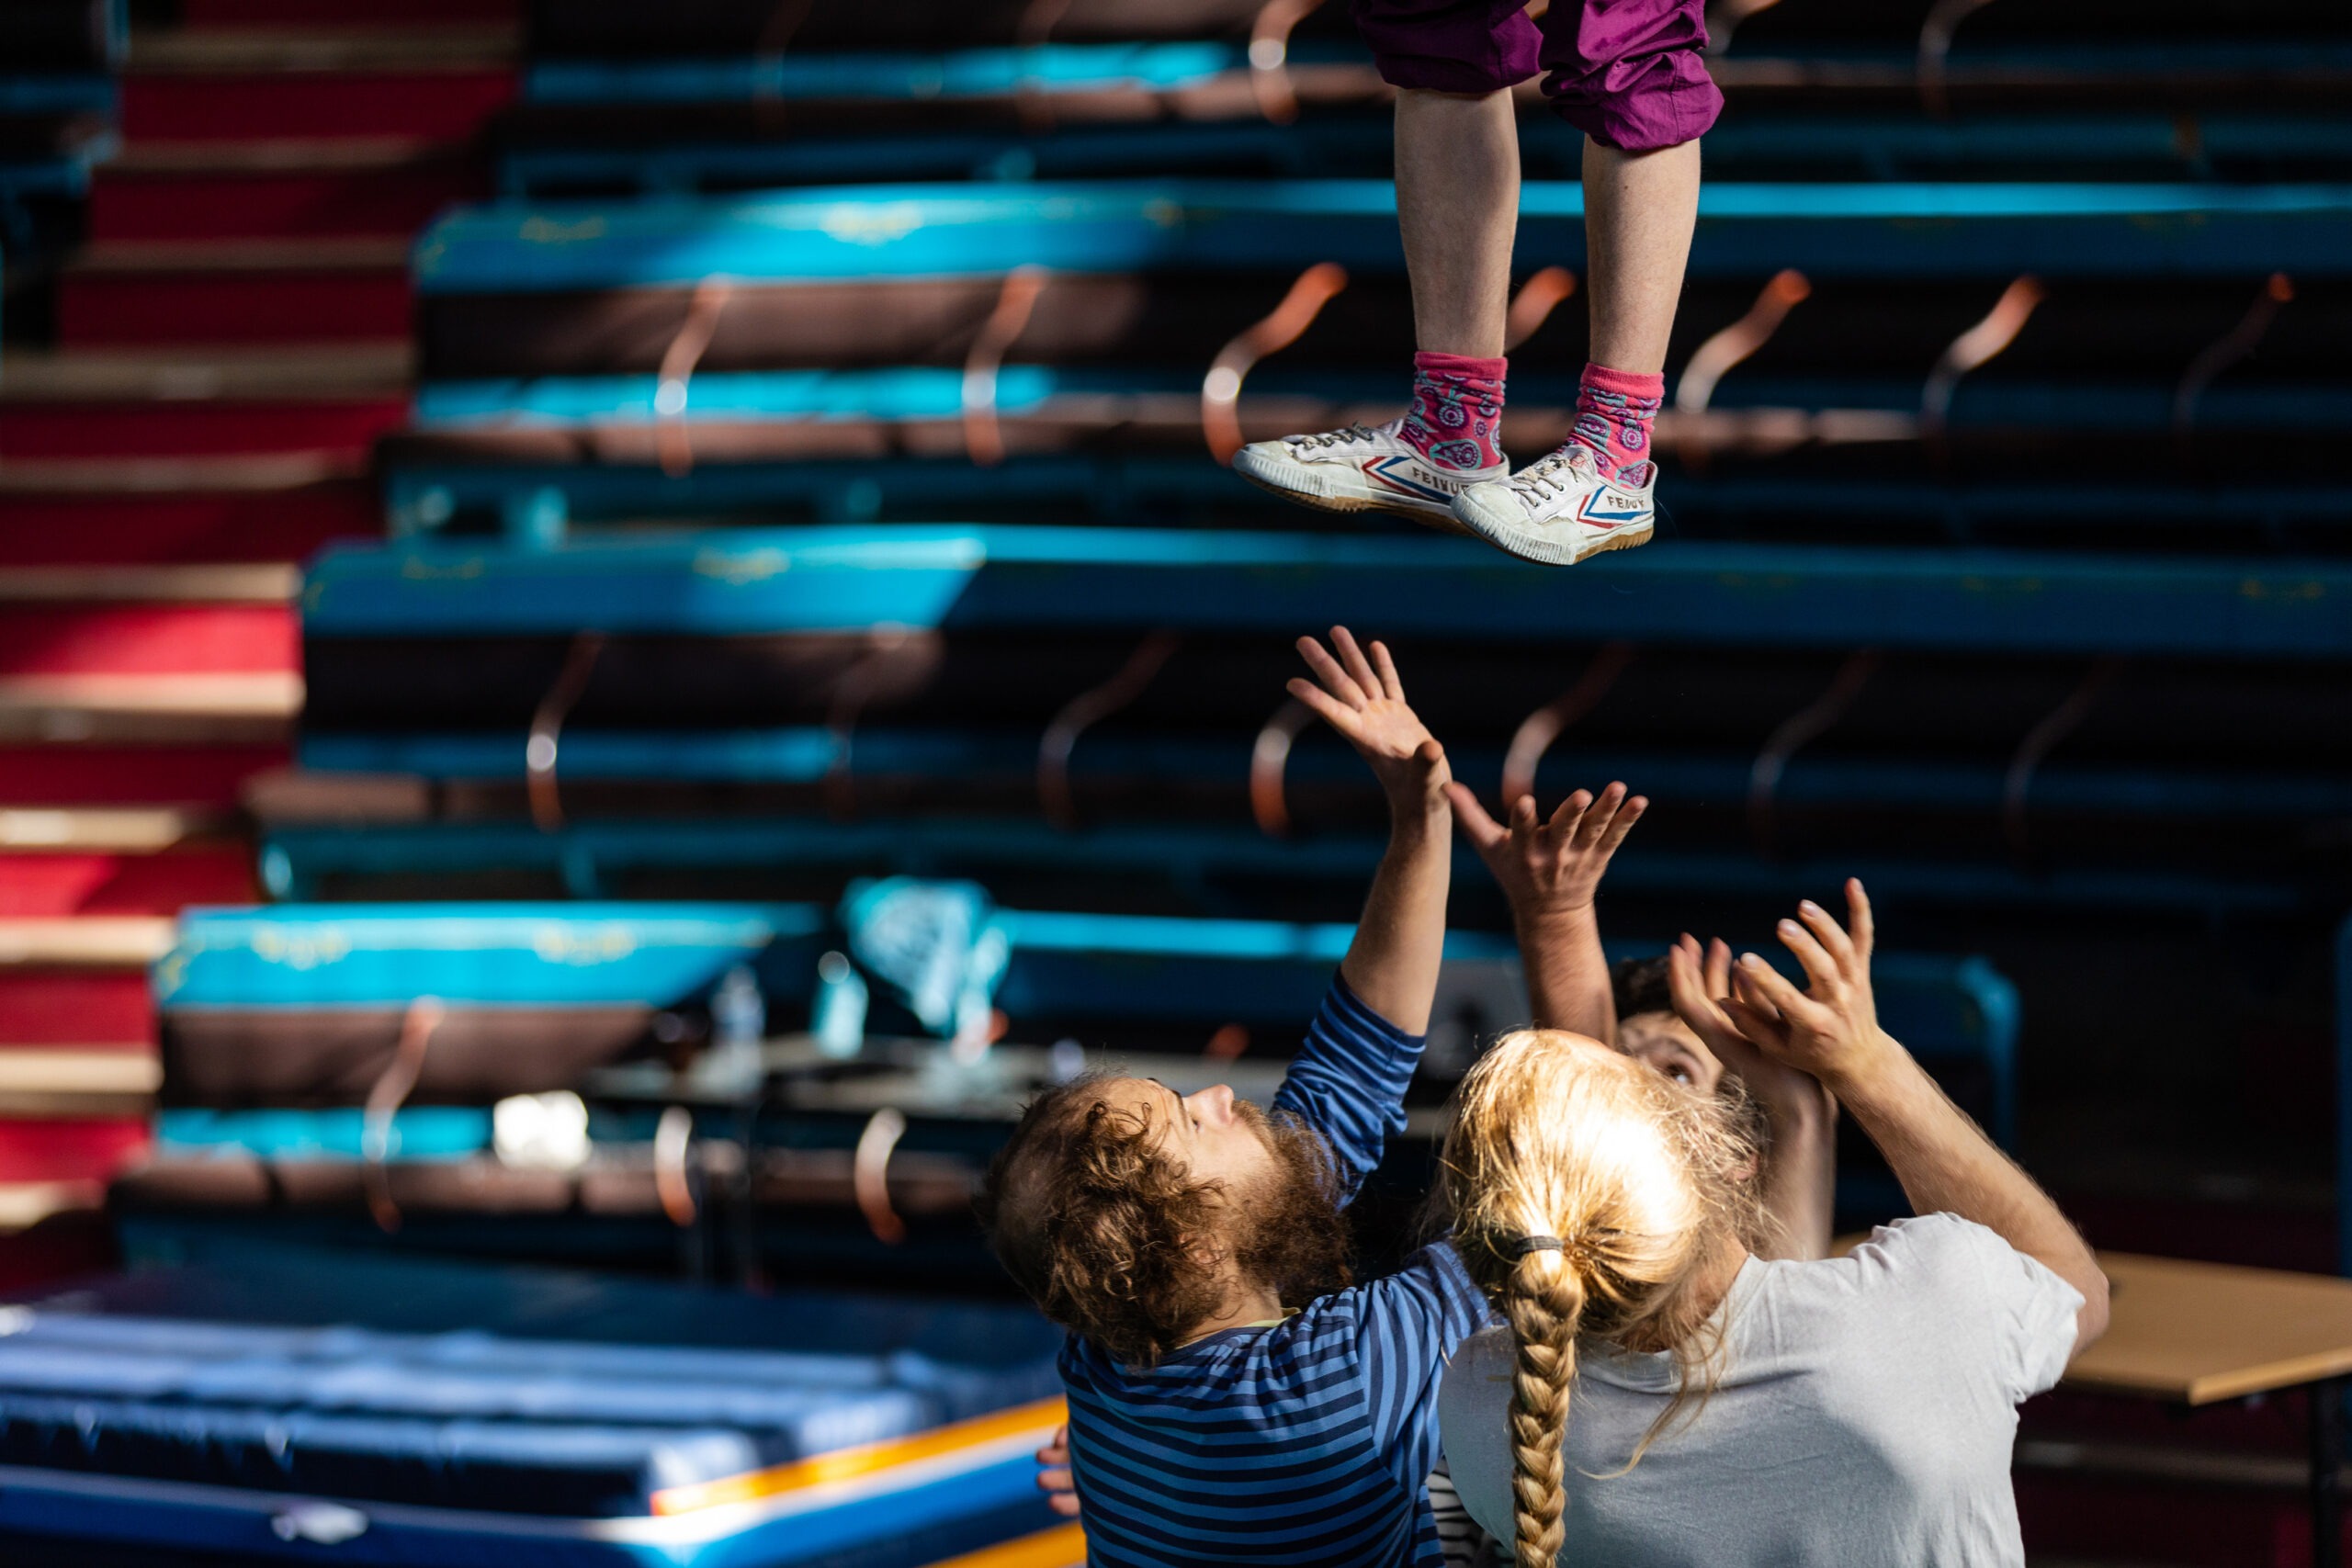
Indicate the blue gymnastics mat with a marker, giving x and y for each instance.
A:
(313, 1408)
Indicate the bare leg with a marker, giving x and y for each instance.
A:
(1639, 209)
(1457, 204)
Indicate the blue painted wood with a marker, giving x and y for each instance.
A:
(833, 578)
(1828, 229)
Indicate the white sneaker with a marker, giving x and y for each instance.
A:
(1559, 508)
(1358, 468)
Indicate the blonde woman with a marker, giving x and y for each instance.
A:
(1660, 1395)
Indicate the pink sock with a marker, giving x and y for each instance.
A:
(1615, 409)
(1457, 413)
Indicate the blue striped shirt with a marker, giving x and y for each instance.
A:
(1309, 1443)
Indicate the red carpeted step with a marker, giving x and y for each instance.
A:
(234, 204)
(131, 775)
(57, 1249)
(117, 308)
(445, 105)
(148, 639)
(58, 1006)
(354, 13)
(271, 526)
(69, 1149)
(35, 885)
(169, 429)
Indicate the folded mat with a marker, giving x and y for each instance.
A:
(377, 1412)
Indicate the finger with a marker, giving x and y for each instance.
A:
(1055, 1479)
(1820, 969)
(1522, 817)
(1623, 823)
(1718, 967)
(1694, 1005)
(1056, 1449)
(1596, 821)
(1828, 932)
(1785, 998)
(1483, 832)
(1571, 811)
(1343, 643)
(1770, 1033)
(1858, 920)
(1386, 668)
(1746, 989)
(1328, 669)
(1330, 709)
(1063, 1502)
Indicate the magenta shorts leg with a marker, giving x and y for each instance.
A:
(1631, 74)
(1450, 46)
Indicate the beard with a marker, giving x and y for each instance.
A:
(1295, 1233)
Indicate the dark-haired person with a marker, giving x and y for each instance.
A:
(1233, 1399)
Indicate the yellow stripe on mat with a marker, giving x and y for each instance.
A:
(1064, 1546)
(848, 1464)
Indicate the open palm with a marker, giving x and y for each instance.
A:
(1364, 701)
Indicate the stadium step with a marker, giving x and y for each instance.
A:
(283, 522)
(179, 429)
(250, 291)
(274, 84)
(381, 186)
(346, 12)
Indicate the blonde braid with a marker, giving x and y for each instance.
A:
(1586, 1192)
(1544, 1301)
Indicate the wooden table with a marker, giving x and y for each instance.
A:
(2194, 1334)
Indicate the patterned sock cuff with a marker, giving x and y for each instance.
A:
(1427, 364)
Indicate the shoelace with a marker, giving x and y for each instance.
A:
(1540, 480)
(1342, 437)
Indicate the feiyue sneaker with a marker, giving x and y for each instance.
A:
(1559, 510)
(1357, 468)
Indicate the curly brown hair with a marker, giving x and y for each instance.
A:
(1116, 1242)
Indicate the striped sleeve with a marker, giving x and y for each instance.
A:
(1348, 1082)
(1411, 1322)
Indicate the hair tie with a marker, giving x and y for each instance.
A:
(1527, 1244)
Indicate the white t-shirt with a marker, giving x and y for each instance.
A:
(1865, 1415)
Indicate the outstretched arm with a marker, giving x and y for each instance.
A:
(1801, 1117)
(1551, 872)
(1392, 964)
(1944, 1160)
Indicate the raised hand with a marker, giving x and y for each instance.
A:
(1364, 700)
(1555, 867)
(1800, 1188)
(1054, 1478)
(1830, 1029)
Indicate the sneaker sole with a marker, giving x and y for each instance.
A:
(1298, 482)
(1532, 547)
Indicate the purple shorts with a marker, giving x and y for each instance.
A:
(1626, 73)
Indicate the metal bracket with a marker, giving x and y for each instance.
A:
(2042, 739)
(673, 438)
(540, 751)
(385, 1095)
(1270, 57)
(983, 440)
(2229, 348)
(1221, 388)
(1799, 729)
(1268, 755)
(1710, 360)
(1539, 729)
(1085, 710)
